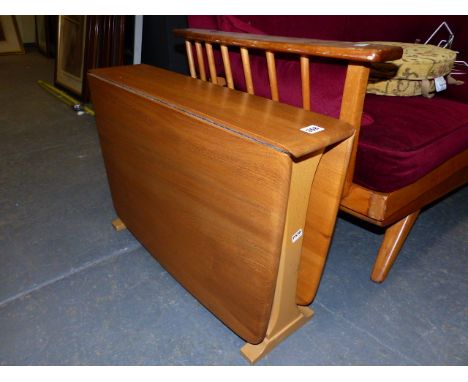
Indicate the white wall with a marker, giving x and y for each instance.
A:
(137, 41)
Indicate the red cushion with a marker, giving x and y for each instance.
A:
(409, 138)
(326, 76)
(202, 22)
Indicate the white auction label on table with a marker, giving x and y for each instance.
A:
(312, 129)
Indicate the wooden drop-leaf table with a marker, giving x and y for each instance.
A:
(223, 188)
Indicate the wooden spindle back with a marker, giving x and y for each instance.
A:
(271, 67)
(358, 56)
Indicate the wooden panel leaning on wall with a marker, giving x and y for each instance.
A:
(215, 183)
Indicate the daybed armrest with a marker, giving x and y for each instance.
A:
(351, 51)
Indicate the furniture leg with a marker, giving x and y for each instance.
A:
(321, 216)
(395, 236)
(118, 225)
(286, 315)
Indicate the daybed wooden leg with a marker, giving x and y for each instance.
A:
(394, 238)
(118, 224)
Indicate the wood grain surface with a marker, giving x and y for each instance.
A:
(334, 49)
(201, 175)
(208, 204)
(255, 117)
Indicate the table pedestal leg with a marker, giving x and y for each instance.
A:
(118, 224)
(286, 316)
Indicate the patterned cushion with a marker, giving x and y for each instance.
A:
(401, 88)
(414, 73)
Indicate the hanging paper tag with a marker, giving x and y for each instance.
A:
(440, 84)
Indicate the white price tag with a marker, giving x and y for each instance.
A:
(312, 129)
(297, 236)
(440, 84)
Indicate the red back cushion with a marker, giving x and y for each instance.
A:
(326, 76)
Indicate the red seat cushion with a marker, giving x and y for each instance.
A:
(410, 137)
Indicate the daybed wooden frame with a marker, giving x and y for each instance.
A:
(398, 210)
